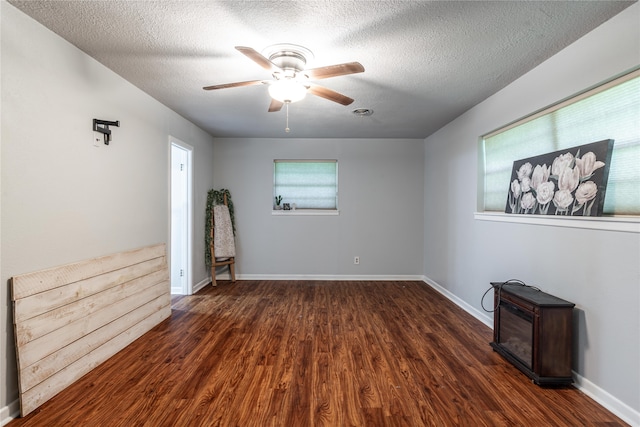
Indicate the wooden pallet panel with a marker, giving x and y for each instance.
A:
(70, 319)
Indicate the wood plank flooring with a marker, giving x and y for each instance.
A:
(314, 353)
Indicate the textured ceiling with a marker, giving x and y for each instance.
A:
(426, 62)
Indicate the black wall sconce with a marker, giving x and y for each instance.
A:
(102, 126)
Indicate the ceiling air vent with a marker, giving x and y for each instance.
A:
(362, 112)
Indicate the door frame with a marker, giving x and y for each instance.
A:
(188, 287)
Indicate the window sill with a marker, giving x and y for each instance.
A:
(627, 224)
(305, 212)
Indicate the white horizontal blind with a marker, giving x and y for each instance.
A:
(611, 111)
(310, 184)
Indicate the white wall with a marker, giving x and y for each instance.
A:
(64, 200)
(380, 202)
(597, 270)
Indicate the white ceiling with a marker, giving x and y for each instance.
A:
(426, 62)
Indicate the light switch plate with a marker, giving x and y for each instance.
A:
(98, 139)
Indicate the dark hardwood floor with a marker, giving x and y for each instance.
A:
(314, 353)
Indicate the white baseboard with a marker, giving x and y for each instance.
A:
(227, 276)
(201, 284)
(608, 401)
(8, 413)
(483, 317)
(620, 409)
(346, 277)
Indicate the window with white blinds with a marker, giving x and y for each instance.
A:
(307, 184)
(610, 111)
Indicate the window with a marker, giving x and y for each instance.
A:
(306, 184)
(610, 111)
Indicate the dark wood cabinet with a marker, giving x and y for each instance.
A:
(534, 330)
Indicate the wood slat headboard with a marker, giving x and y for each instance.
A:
(70, 319)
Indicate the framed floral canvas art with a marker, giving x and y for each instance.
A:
(568, 182)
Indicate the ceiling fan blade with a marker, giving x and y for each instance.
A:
(258, 58)
(275, 105)
(329, 94)
(334, 70)
(236, 84)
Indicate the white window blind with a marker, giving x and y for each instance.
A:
(611, 111)
(309, 184)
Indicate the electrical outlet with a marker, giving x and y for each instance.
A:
(356, 260)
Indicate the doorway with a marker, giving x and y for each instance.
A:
(181, 217)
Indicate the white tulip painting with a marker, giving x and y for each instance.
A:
(570, 182)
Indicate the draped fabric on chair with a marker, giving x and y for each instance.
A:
(223, 241)
(221, 249)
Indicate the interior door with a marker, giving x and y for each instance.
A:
(180, 219)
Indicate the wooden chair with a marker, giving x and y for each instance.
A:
(219, 262)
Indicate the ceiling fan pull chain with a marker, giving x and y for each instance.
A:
(286, 129)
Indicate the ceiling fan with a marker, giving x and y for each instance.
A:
(291, 81)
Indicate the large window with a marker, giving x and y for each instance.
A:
(306, 184)
(610, 111)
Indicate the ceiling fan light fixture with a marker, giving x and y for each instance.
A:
(287, 91)
(288, 56)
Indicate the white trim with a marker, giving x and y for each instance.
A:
(303, 212)
(629, 224)
(190, 211)
(601, 396)
(9, 412)
(305, 161)
(611, 403)
(484, 318)
(201, 284)
(345, 277)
